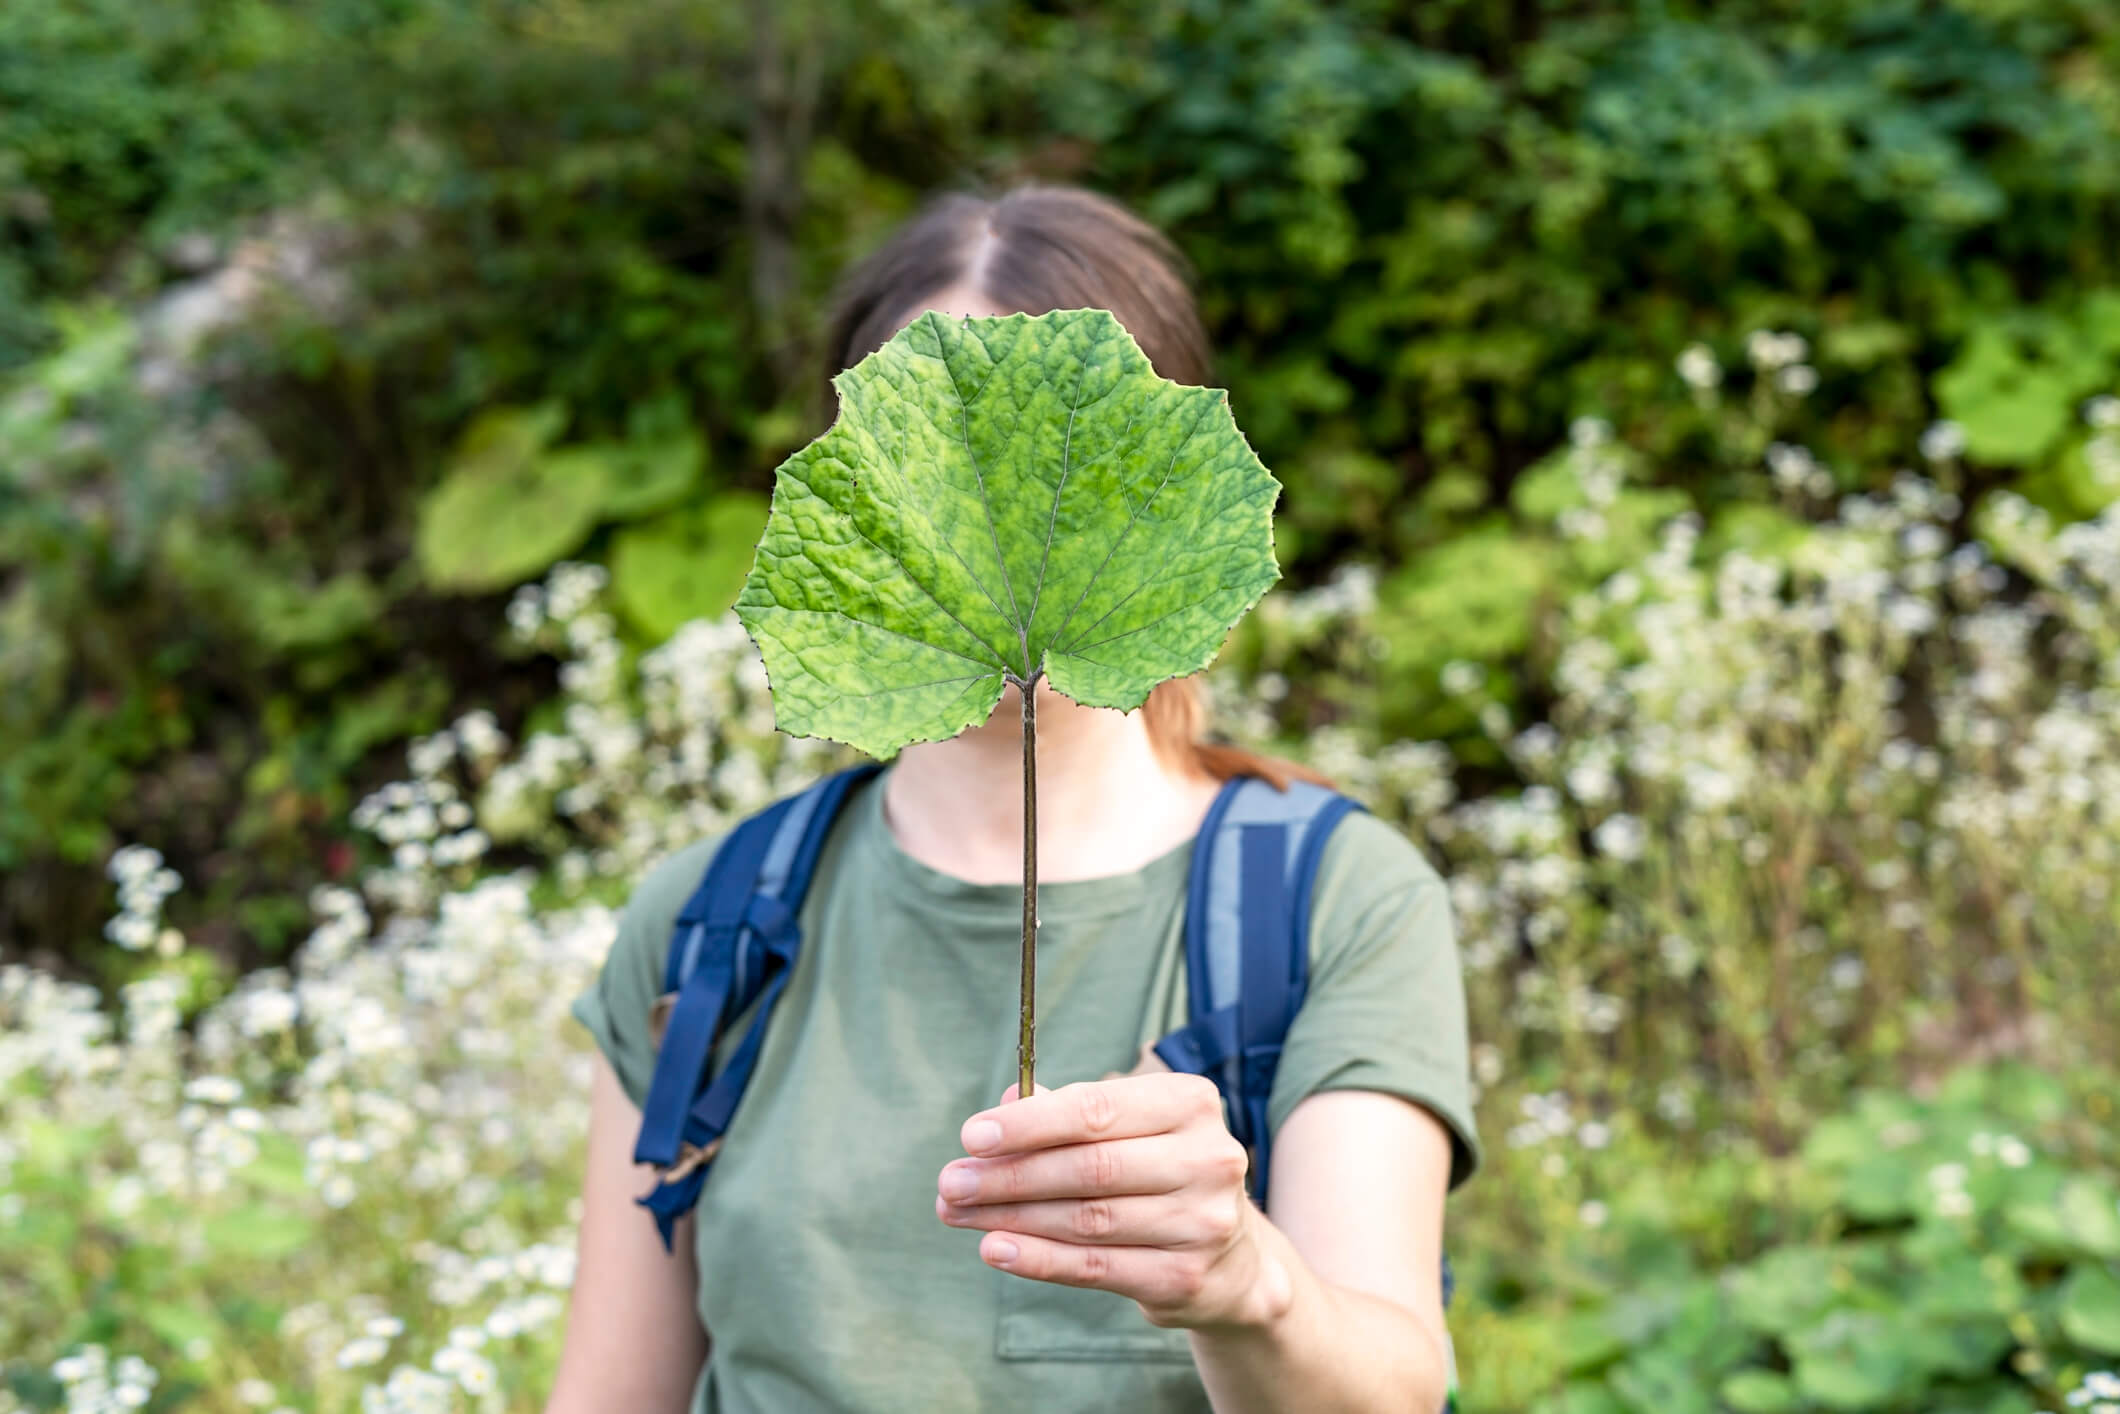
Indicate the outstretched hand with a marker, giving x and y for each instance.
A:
(1133, 1185)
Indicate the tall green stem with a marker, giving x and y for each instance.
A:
(1026, 1039)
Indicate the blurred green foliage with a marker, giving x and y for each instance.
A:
(487, 283)
(1947, 1253)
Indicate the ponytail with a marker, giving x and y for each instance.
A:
(1176, 717)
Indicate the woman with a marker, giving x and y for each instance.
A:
(886, 1227)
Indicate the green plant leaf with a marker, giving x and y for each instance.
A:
(687, 564)
(1988, 1397)
(642, 477)
(1857, 1360)
(2014, 385)
(1003, 497)
(1883, 1187)
(2090, 1310)
(1656, 1381)
(2091, 1212)
(2039, 1226)
(180, 1325)
(290, 617)
(1759, 1392)
(260, 1231)
(1470, 597)
(1783, 1290)
(504, 510)
(1581, 1397)
(1586, 1340)
(1852, 1380)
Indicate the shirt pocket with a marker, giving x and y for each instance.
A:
(1040, 1320)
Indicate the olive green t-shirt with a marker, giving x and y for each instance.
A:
(826, 1282)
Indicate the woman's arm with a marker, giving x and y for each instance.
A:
(633, 1335)
(1357, 1204)
(1134, 1185)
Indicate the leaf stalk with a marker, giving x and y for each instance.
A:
(1026, 1036)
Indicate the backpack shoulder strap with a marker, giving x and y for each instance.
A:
(735, 942)
(1247, 943)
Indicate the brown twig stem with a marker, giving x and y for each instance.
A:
(1026, 1038)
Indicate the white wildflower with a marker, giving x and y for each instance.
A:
(1943, 441)
(1697, 366)
(1797, 380)
(366, 1350)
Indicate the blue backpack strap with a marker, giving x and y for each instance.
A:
(1247, 944)
(735, 942)
(1247, 950)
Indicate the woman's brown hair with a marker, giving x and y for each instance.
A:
(1035, 249)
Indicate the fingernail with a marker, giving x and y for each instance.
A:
(959, 1184)
(981, 1135)
(1001, 1252)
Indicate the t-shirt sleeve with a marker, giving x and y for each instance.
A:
(616, 1007)
(1385, 1006)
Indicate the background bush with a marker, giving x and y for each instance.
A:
(272, 279)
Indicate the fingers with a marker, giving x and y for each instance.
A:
(1126, 1108)
(1153, 1164)
(1163, 1282)
(1165, 1220)
(1131, 1184)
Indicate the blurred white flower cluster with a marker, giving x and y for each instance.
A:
(1735, 757)
(144, 884)
(400, 1111)
(1781, 356)
(637, 762)
(1780, 359)
(382, 1138)
(95, 1384)
(2099, 1393)
(1777, 800)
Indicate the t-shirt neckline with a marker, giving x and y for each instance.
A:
(1059, 901)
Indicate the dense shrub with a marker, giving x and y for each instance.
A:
(1428, 240)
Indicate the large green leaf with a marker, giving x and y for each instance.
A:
(2015, 383)
(1858, 1379)
(504, 510)
(2090, 1310)
(1784, 1290)
(1760, 1392)
(1858, 1360)
(644, 476)
(1001, 498)
(2091, 1211)
(687, 564)
(261, 1231)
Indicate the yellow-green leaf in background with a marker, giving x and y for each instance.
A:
(685, 564)
(504, 510)
(2015, 383)
(262, 1230)
(2090, 1309)
(181, 1325)
(1760, 1392)
(643, 476)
